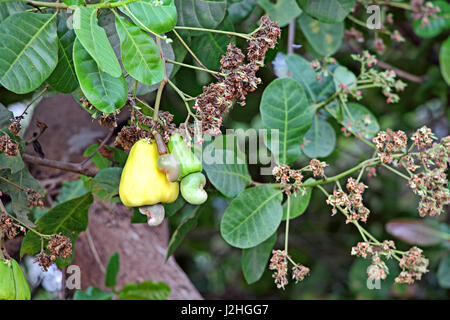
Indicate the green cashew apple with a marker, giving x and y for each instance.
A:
(13, 285)
(192, 188)
(188, 161)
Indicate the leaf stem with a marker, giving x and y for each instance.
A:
(231, 33)
(194, 67)
(288, 217)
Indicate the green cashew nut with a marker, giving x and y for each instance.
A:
(192, 188)
(188, 161)
(155, 214)
(170, 166)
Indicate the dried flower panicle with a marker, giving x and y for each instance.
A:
(163, 125)
(59, 246)
(265, 38)
(299, 272)
(413, 265)
(378, 269)
(7, 227)
(34, 198)
(108, 120)
(8, 146)
(44, 260)
(15, 125)
(388, 142)
(128, 136)
(233, 58)
(423, 138)
(279, 263)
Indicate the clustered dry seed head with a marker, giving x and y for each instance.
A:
(279, 264)
(59, 246)
(8, 146)
(108, 120)
(351, 203)
(217, 98)
(7, 227)
(317, 167)
(128, 136)
(34, 198)
(15, 125)
(388, 142)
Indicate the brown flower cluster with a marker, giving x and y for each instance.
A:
(279, 263)
(317, 167)
(378, 269)
(128, 136)
(217, 98)
(7, 227)
(8, 146)
(413, 265)
(424, 11)
(290, 180)
(15, 125)
(388, 142)
(423, 138)
(59, 246)
(108, 120)
(163, 125)
(34, 198)
(350, 203)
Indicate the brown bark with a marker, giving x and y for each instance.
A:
(141, 248)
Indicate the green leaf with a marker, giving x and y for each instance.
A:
(29, 50)
(359, 120)
(252, 217)
(437, 24)
(320, 140)
(69, 218)
(185, 226)
(301, 71)
(281, 11)
(104, 91)
(330, 11)
(106, 183)
(63, 79)
(10, 8)
(200, 13)
(74, 2)
(443, 274)
(147, 290)
(444, 60)
(174, 207)
(325, 38)
(158, 18)
(229, 178)
(284, 107)
(254, 260)
(92, 293)
(344, 76)
(5, 116)
(140, 54)
(70, 190)
(13, 163)
(210, 47)
(298, 203)
(94, 40)
(238, 10)
(112, 270)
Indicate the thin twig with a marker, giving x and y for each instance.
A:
(101, 145)
(66, 166)
(94, 252)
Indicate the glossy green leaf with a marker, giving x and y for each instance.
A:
(298, 203)
(63, 78)
(28, 50)
(284, 107)
(5, 116)
(342, 75)
(359, 120)
(70, 190)
(106, 183)
(140, 54)
(330, 11)
(12, 163)
(92, 293)
(210, 47)
(325, 38)
(254, 260)
(182, 230)
(147, 290)
(200, 13)
(112, 270)
(226, 173)
(444, 60)
(238, 10)
(320, 140)
(443, 274)
(74, 2)
(105, 92)
(94, 40)
(437, 24)
(252, 217)
(69, 218)
(301, 71)
(10, 8)
(281, 11)
(158, 18)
